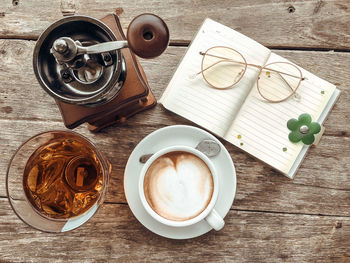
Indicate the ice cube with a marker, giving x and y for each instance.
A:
(32, 179)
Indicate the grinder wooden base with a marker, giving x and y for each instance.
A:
(135, 95)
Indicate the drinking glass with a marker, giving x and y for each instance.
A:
(57, 180)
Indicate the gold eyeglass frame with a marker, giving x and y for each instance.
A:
(261, 68)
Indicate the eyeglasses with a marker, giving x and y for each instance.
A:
(223, 67)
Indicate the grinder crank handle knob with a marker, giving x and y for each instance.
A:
(148, 36)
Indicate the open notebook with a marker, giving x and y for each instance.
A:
(239, 114)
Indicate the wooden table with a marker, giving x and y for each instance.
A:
(272, 219)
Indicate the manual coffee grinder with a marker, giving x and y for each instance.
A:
(89, 67)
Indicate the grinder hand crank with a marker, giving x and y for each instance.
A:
(147, 37)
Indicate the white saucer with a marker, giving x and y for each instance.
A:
(178, 135)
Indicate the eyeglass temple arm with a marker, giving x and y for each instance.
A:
(294, 91)
(243, 63)
(286, 82)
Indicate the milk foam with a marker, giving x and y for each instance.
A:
(178, 186)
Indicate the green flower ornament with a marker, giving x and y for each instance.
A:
(303, 129)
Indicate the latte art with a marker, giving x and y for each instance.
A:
(178, 186)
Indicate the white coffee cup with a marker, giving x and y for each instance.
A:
(208, 214)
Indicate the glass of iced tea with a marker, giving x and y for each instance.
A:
(57, 180)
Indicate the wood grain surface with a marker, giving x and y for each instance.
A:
(115, 235)
(273, 218)
(298, 24)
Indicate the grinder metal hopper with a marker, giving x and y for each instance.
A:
(78, 60)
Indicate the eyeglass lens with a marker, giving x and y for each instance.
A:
(278, 81)
(222, 67)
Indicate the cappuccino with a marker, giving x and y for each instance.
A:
(178, 186)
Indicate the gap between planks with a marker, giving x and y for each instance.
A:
(180, 43)
(185, 43)
(247, 210)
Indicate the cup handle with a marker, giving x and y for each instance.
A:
(215, 220)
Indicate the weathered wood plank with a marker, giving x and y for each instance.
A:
(115, 235)
(20, 91)
(307, 23)
(321, 186)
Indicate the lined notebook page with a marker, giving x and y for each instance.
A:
(193, 99)
(260, 127)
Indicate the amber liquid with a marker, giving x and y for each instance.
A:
(63, 178)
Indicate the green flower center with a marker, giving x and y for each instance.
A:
(304, 129)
